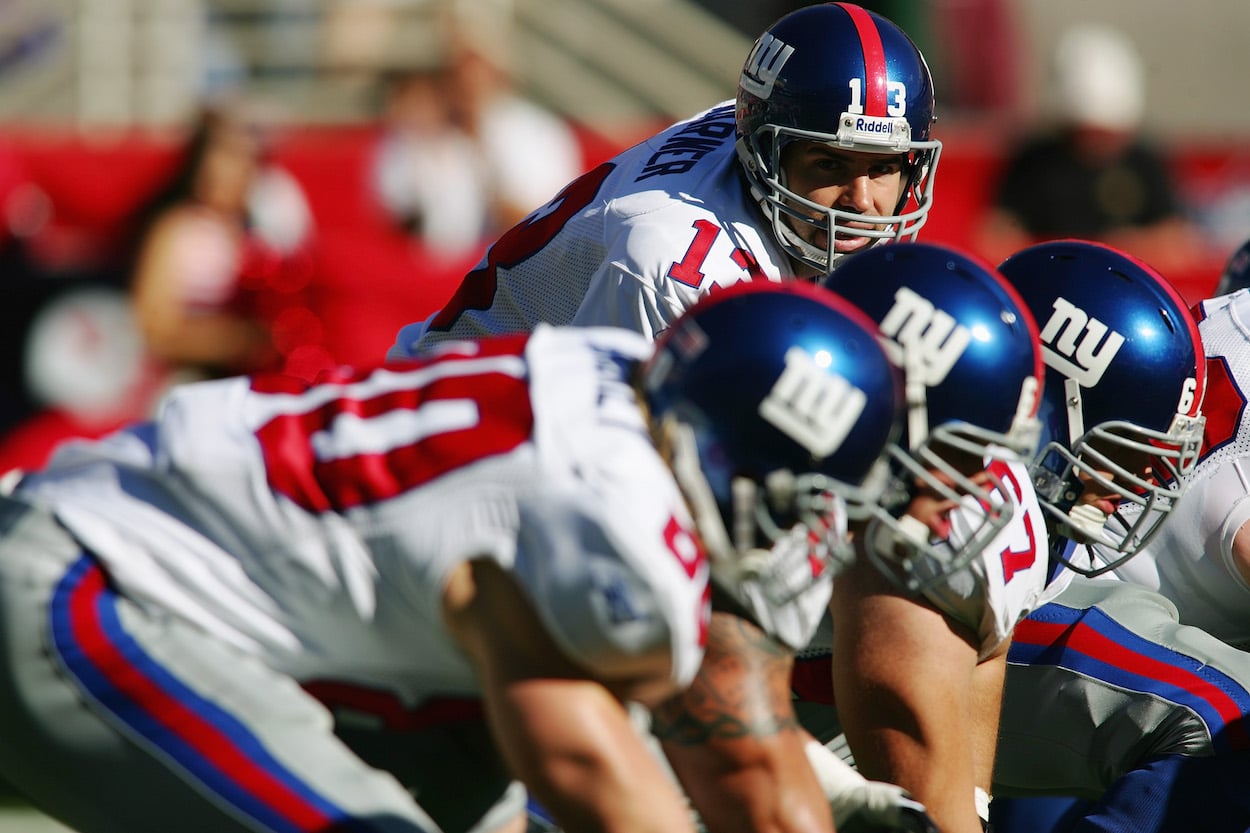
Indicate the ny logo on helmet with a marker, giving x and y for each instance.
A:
(813, 407)
(924, 340)
(1078, 346)
(764, 65)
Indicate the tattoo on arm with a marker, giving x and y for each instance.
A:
(742, 689)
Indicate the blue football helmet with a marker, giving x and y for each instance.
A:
(972, 371)
(1236, 274)
(1122, 406)
(777, 404)
(839, 74)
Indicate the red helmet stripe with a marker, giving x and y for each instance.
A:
(875, 75)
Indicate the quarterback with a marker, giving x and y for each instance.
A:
(826, 150)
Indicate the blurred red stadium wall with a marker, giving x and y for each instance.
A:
(370, 278)
(70, 200)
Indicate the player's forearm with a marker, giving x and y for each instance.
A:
(937, 774)
(989, 678)
(734, 741)
(565, 736)
(903, 684)
(763, 799)
(575, 748)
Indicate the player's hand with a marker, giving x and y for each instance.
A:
(885, 808)
(863, 806)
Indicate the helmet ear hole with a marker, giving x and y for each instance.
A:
(918, 169)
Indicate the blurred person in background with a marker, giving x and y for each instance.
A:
(213, 262)
(87, 373)
(528, 153)
(1093, 174)
(228, 226)
(463, 154)
(426, 169)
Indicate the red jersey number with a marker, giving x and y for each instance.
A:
(1016, 561)
(689, 270)
(1223, 405)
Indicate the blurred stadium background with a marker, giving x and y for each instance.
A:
(95, 96)
(604, 63)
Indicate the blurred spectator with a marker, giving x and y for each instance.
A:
(528, 152)
(427, 172)
(464, 156)
(215, 273)
(972, 47)
(1094, 175)
(229, 227)
(1236, 274)
(86, 368)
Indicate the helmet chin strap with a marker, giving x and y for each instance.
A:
(814, 254)
(743, 575)
(907, 533)
(751, 560)
(1084, 521)
(812, 257)
(737, 558)
(697, 491)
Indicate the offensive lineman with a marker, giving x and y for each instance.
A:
(1198, 563)
(1093, 436)
(187, 603)
(917, 651)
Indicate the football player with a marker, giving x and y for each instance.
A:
(921, 622)
(200, 611)
(1108, 697)
(827, 149)
(1105, 694)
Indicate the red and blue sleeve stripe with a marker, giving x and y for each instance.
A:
(214, 750)
(1091, 643)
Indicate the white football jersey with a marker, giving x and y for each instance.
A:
(1190, 559)
(633, 243)
(314, 526)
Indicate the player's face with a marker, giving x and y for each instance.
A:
(931, 507)
(869, 184)
(1097, 492)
